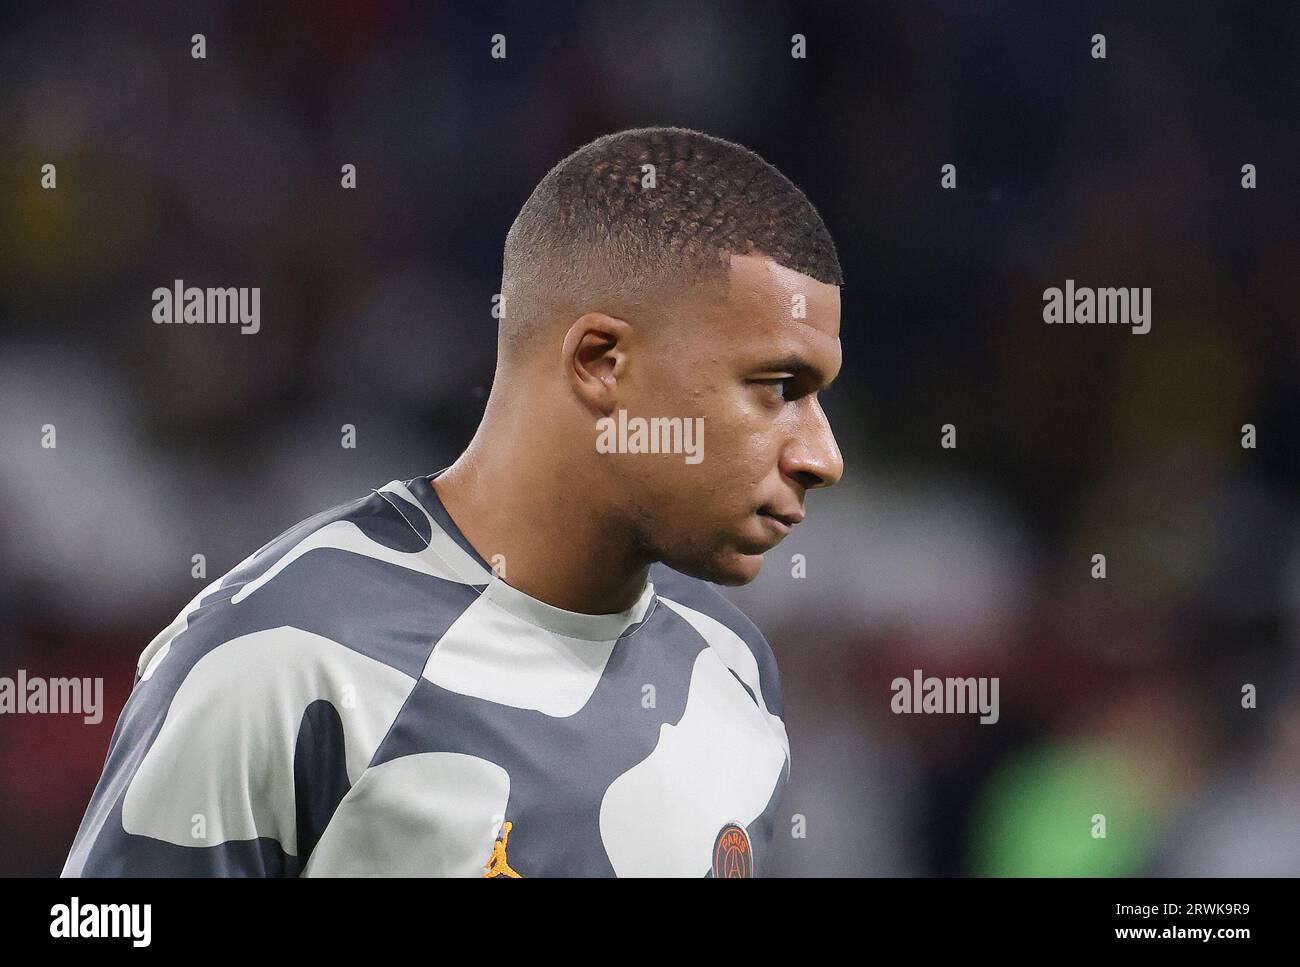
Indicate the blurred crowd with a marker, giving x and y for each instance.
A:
(1120, 697)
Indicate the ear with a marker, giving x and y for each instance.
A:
(595, 358)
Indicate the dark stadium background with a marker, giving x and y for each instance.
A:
(1119, 697)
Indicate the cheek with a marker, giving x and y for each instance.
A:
(737, 460)
(740, 440)
(744, 444)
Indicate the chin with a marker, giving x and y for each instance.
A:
(731, 570)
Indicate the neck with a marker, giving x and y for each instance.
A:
(513, 493)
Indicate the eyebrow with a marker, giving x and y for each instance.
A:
(799, 367)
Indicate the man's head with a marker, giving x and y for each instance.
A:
(682, 280)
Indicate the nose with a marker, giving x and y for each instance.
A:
(812, 457)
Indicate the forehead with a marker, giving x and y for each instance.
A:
(769, 302)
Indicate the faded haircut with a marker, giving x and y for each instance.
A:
(596, 235)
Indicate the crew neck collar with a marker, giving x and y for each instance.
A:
(570, 624)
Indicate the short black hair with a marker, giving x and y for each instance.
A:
(601, 224)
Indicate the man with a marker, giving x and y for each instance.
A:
(520, 652)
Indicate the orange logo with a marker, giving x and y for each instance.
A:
(732, 855)
(497, 864)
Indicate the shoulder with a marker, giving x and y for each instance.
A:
(282, 676)
(701, 604)
(359, 574)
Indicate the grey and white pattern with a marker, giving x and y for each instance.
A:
(364, 697)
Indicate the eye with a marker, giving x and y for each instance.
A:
(779, 385)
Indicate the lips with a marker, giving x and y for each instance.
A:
(787, 517)
(781, 520)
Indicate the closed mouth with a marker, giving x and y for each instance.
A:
(784, 522)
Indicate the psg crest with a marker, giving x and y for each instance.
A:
(732, 855)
